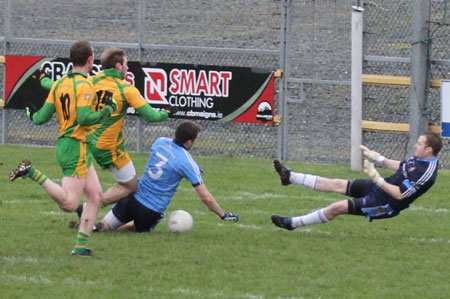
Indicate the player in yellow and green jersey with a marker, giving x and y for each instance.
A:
(72, 97)
(108, 142)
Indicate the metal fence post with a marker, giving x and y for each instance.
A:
(140, 42)
(419, 89)
(282, 145)
(7, 28)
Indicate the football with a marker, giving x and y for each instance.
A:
(180, 221)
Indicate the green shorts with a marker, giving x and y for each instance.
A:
(73, 157)
(106, 158)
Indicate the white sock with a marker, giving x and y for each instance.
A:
(311, 218)
(306, 180)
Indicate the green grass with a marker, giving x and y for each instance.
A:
(404, 257)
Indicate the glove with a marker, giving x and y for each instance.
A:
(109, 101)
(171, 110)
(372, 173)
(29, 113)
(39, 74)
(372, 155)
(230, 217)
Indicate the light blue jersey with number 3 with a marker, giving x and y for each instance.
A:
(169, 163)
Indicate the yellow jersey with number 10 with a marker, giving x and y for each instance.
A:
(70, 92)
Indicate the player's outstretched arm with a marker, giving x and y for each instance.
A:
(212, 204)
(391, 164)
(43, 115)
(209, 200)
(138, 102)
(151, 115)
(375, 156)
(373, 174)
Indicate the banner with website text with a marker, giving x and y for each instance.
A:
(236, 94)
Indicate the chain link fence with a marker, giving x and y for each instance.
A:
(223, 33)
(246, 33)
(387, 37)
(318, 81)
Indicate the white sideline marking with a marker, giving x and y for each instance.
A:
(320, 197)
(307, 230)
(31, 279)
(39, 279)
(186, 291)
(14, 259)
(197, 212)
(430, 210)
(250, 195)
(247, 295)
(72, 281)
(260, 212)
(252, 226)
(427, 240)
(16, 201)
(44, 280)
(55, 213)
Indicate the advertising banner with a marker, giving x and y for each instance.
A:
(232, 94)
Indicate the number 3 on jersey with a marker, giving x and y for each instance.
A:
(158, 166)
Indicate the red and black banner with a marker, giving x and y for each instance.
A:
(218, 93)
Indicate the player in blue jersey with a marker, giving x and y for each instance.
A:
(170, 162)
(376, 198)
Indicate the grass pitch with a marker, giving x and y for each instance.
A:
(404, 257)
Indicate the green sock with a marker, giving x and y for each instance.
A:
(81, 242)
(37, 176)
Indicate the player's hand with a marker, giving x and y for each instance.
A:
(29, 113)
(171, 110)
(372, 155)
(109, 101)
(372, 173)
(39, 74)
(230, 217)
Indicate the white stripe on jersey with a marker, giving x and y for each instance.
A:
(423, 179)
(427, 175)
(194, 165)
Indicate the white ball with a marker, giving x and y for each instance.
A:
(180, 221)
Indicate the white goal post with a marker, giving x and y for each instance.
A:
(356, 88)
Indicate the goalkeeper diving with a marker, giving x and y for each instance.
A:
(376, 197)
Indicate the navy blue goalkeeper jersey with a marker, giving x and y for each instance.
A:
(169, 163)
(414, 177)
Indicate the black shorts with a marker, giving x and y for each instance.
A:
(368, 200)
(128, 209)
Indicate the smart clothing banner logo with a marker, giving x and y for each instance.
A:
(218, 93)
(209, 92)
(155, 86)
